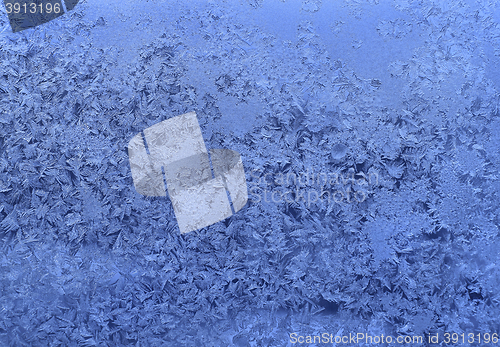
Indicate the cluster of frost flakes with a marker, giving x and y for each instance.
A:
(311, 5)
(397, 29)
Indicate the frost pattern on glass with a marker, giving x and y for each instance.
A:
(397, 99)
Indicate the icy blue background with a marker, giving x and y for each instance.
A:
(407, 89)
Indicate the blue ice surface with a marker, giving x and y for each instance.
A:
(391, 106)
